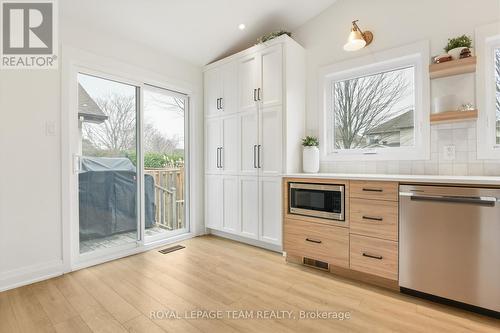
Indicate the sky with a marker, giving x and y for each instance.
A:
(167, 120)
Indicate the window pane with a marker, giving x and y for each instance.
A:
(164, 154)
(375, 111)
(497, 78)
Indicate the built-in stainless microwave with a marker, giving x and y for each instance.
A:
(317, 200)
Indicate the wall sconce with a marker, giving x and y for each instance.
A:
(357, 39)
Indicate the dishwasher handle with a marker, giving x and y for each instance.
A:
(482, 201)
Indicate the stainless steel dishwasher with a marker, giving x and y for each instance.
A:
(449, 244)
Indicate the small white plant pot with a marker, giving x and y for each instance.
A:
(310, 159)
(455, 53)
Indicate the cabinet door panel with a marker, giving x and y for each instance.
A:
(272, 76)
(230, 154)
(230, 204)
(229, 88)
(212, 143)
(271, 156)
(270, 200)
(248, 71)
(249, 206)
(249, 141)
(213, 201)
(213, 91)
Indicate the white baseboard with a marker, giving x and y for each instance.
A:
(30, 274)
(254, 242)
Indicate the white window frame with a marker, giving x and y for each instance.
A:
(415, 55)
(487, 40)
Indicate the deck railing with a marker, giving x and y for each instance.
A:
(169, 197)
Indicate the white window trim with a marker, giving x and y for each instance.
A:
(487, 39)
(415, 55)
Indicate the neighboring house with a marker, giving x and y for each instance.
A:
(395, 132)
(88, 110)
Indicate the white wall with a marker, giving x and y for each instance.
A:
(396, 23)
(30, 168)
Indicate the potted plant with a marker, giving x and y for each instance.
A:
(310, 154)
(457, 44)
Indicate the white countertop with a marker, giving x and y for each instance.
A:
(475, 180)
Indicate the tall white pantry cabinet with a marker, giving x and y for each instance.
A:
(254, 120)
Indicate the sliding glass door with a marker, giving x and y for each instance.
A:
(164, 146)
(130, 167)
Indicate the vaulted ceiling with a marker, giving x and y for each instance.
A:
(198, 31)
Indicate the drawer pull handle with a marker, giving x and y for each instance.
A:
(313, 241)
(372, 218)
(373, 189)
(372, 256)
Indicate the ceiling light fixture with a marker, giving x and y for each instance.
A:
(357, 38)
(241, 26)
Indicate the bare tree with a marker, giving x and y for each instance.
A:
(361, 104)
(155, 141)
(118, 132)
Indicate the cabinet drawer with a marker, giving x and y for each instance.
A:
(374, 190)
(317, 241)
(375, 218)
(374, 256)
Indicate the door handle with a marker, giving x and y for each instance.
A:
(254, 156)
(77, 163)
(254, 95)
(258, 94)
(484, 201)
(372, 256)
(221, 157)
(373, 189)
(313, 241)
(372, 218)
(258, 156)
(220, 103)
(217, 157)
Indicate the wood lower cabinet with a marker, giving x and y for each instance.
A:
(317, 241)
(365, 247)
(374, 256)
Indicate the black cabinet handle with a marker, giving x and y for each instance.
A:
(255, 156)
(372, 218)
(221, 157)
(258, 94)
(373, 190)
(372, 256)
(254, 95)
(258, 156)
(313, 241)
(220, 103)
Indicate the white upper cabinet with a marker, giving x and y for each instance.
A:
(249, 142)
(213, 91)
(271, 81)
(229, 101)
(230, 149)
(248, 82)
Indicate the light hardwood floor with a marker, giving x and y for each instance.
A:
(217, 274)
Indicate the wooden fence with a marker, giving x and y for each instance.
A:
(169, 197)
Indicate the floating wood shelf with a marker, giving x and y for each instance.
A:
(453, 116)
(453, 67)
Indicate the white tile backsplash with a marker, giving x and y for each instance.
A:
(462, 135)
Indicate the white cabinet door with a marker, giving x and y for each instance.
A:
(271, 139)
(213, 91)
(249, 140)
(229, 102)
(248, 82)
(270, 203)
(213, 136)
(213, 201)
(230, 152)
(230, 204)
(272, 76)
(249, 206)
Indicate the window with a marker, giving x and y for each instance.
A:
(377, 110)
(488, 91)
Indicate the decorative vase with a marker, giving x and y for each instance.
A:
(310, 159)
(455, 53)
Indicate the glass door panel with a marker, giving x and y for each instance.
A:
(107, 177)
(165, 149)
